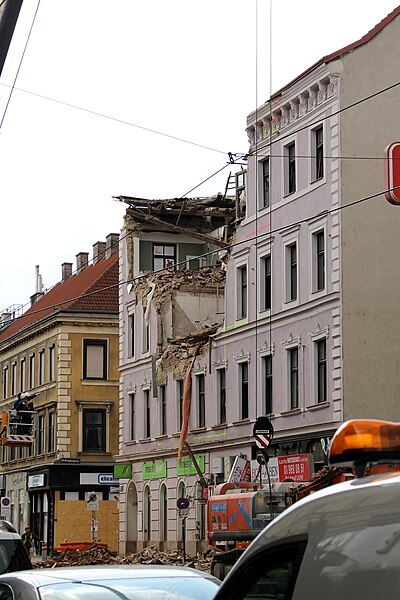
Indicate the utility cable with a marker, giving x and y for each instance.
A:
(137, 278)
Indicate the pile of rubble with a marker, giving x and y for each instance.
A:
(98, 555)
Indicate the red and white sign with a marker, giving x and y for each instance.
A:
(240, 470)
(392, 173)
(295, 467)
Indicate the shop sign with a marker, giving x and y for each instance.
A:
(240, 470)
(272, 469)
(107, 479)
(123, 471)
(186, 467)
(295, 467)
(156, 469)
(97, 479)
(35, 481)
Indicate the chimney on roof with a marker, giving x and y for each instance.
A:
(66, 270)
(82, 260)
(99, 251)
(38, 287)
(112, 244)
(5, 317)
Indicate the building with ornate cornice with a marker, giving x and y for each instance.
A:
(65, 350)
(309, 330)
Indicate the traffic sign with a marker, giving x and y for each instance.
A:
(93, 503)
(392, 173)
(263, 432)
(182, 503)
(183, 513)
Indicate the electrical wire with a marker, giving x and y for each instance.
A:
(138, 278)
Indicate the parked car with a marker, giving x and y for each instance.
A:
(130, 582)
(13, 556)
(340, 542)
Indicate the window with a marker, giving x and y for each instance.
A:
(221, 375)
(32, 378)
(318, 259)
(241, 191)
(294, 378)
(265, 188)
(291, 168)
(180, 384)
(244, 390)
(94, 430)
(267, 383)
(41, 367)
(320, 354)
(52, 364)
(318, 148)
(95, 359)
(164, 256)
(132, 428)
(40, 434)
(50, 436)
(147, 414)
(131, 335)
(13, 379)
(163, 409)
(291, 272)
(201, 400)
(5, 382)
(266, 283)
(242, 292)
(22, 374)
(146, 333)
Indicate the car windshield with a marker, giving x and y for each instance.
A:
(160, 588)
(13, 556)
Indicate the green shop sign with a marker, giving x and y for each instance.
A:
(123, 471)
(187, 467)
(156, 469)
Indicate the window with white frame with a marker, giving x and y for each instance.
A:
(241, 190)
(5, 382)
(32, 377)
(317, 164)
(221, 387)
(243, 390)
(201, 400)
(266, 282)
(164, 256)
(293, 377)
(320, 370)
(241, 293)
(162, 395)
(51, 429)
(94, 359)
(94, 430)
(22, 374)
(131, 335)
(40, 433)
(265, 192)
(266, 370)
(147, 413)
(291, 272)
(289, 169)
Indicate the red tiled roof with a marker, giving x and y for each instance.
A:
(78, 293)
(334, 55)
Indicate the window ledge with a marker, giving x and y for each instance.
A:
(290, 413)
(177, 434)
(163, 436)
(199, 429)
(88, 453)
(318, 406)
(242, 422)
(220, 426)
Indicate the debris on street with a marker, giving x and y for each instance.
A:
(98, 555)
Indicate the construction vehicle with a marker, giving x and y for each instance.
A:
(236, 515)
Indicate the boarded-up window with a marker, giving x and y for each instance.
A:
(95, 359)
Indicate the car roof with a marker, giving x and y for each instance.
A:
(48, 576)
(368, 496)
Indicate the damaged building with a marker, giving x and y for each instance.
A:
(173, 257)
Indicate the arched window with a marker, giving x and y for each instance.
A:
(146, 514)
(163, 513)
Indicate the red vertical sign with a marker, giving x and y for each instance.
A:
(392, 173)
